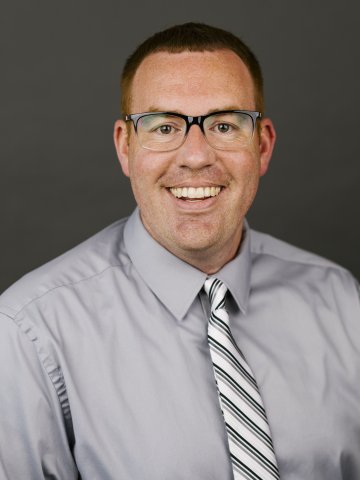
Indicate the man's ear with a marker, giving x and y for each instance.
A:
(122, 145)
(266, 144)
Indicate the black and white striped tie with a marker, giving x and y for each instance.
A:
(250, 444)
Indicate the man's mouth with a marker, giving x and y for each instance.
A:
(195, 193)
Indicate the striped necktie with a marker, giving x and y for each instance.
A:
(250, 444)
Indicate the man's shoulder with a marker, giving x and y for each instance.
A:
(277, 261)
(284, 253)
(302, 277)
(90, 258)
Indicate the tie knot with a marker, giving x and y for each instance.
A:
(216, 292)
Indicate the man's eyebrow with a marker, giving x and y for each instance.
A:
(157, 109)
(225, 108)
(212, 110)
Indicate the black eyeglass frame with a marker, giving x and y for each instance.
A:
(190, 121)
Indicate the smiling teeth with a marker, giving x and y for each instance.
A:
(192, 192)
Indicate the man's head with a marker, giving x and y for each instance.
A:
(218, 160)
(192, 37)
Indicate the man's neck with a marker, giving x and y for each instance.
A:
(209, 260)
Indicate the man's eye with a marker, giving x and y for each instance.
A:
(223, 128)
(165, 129)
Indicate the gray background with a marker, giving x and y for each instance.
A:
(60, 64)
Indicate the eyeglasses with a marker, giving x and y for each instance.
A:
(166, 131)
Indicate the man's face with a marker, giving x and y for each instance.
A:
(194, 83)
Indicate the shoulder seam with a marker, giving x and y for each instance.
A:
(9, 316)
(17, 312)
(329, 263)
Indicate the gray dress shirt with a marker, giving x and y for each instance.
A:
(105, 370)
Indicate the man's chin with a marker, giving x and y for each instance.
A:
(192, 243)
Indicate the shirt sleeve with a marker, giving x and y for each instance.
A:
(34, 442)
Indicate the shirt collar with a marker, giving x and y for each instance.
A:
(175, 282)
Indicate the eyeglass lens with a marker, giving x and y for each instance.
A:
(225, 131)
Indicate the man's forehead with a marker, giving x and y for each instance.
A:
(167, 76)
(162, 62)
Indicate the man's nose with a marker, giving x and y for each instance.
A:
(195, 152)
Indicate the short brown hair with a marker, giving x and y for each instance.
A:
(193, 37)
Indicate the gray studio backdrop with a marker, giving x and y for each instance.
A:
(60, 64)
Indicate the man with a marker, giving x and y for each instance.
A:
(178, 343)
